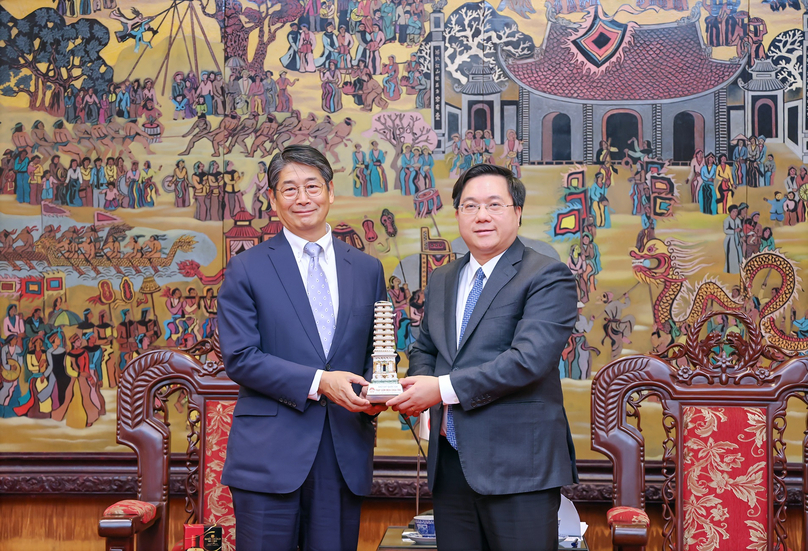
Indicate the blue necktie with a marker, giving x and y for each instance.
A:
(474, 294)
(320, 297)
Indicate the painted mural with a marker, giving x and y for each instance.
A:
(663, 145)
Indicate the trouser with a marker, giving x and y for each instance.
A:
(468, 521)
(321, 515)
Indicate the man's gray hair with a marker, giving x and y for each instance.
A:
(301, 155)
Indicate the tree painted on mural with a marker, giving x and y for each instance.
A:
(41, 56)
(424, 58)
(474, 33)
(785, 52)
(398, 129)
(237, 23)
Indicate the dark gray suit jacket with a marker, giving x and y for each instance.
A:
(512, 432)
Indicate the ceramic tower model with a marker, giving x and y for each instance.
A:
(384, 384)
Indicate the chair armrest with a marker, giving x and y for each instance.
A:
(126, 518)
(629, 526)
(629, 536)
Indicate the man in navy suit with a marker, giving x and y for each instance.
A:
(295, 325)
(486, 363)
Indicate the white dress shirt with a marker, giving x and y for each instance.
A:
(328, 262)
(464, 285)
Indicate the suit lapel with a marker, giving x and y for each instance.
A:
(450, 304)
(285, 263)
(501, 275)
(345, 283)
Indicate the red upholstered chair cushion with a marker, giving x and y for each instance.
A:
(726, 478)
(627, 515)
(217, 505)
(132, 508)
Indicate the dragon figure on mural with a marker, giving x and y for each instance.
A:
(667, 264)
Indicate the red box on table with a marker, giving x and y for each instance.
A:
(200, 536)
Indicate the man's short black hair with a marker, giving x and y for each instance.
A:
(301, 155)
(515, 186)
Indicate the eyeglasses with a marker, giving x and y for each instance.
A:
(312, 190)
(473, 208)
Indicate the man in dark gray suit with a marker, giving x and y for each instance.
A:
(486, 363)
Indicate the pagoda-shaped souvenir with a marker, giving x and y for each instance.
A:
(384, 384)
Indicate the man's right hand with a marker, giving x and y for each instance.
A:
(336, 386)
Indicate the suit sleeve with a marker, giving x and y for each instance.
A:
(424, 353)
(548, 317)
(240, 338)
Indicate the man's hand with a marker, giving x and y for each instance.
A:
(336, 386)
(421, 392)
(372, 409)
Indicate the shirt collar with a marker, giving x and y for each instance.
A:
(488, 267)
(298, 243)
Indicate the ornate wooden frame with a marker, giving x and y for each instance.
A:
(691, 375)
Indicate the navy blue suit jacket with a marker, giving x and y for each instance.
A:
(271, 348)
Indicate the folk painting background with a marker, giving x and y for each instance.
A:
(607, 111)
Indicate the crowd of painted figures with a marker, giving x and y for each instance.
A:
(54, 366)
(713, 182)
(36, 172)
(84, 165)
(348, 53)
(109, 184)
(79, 8)
(479, 146)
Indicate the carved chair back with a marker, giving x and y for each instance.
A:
(724, 400)
(143, 425)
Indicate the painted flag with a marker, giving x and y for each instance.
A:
(9, 286)
(49, 209)
(32, 288)
(128, 290)
(575, 179)
(103, 218)
(106, 294)
(654, 166)
(578, 199)
(566, 223)
(661, 185)
(662, 206)
(54, 282)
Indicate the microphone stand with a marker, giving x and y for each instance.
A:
(417, 466)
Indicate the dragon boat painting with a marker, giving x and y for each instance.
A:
(85, 247)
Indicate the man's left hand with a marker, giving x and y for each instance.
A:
(374, 409)
(371, 409)
(421, 392)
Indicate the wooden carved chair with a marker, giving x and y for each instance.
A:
(723, 404)
(145, 386)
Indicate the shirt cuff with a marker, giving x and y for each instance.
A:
(315, 384)
(447, 392)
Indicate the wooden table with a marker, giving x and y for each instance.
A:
(393, 541)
